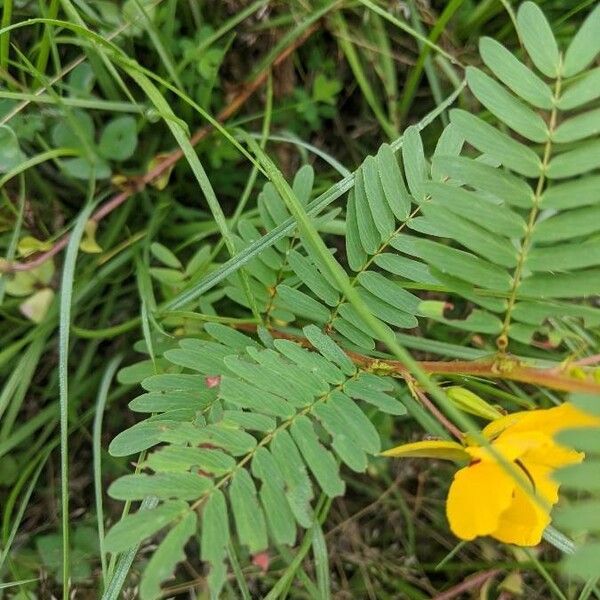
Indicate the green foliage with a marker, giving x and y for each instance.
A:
(268, 379)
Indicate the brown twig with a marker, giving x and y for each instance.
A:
(468, 584)
(502, 367)
(437, 414)
(139, 183)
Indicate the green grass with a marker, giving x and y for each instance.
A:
(356, 76)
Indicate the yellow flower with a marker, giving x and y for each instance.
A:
(484, 499)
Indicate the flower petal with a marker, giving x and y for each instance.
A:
(442, 449)
(524, 521)
(478, 496)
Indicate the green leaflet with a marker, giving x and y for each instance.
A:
(280, 518)
(505, 186)
(214, 539)
(565, 257)
(369, 236)
(508, 109)
(302, 304)
(319, 460)
(415, 164)
(581, 91)
(575, 162)
(394, 188)
(184, 458)
(584, 46)
(562, 285)
(166, 556)
(568, 225)
(579, 127)
(312, 278)
(132, 529)
(538, 39)
(488, 139)
(182, 486)
(514, 74)
(248, 515)
(572, 194)
(329, 349)
(383, 218)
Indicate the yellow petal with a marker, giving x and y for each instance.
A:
(477, 497)
(551, 455)
(496, 427)
(552, 420)
(442, 449)
(511, 446)
(523, 523)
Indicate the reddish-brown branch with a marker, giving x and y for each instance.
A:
(139, 183)
(503, 368)
(435, 411)
(468, 584)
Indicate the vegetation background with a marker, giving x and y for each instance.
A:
(320, 82)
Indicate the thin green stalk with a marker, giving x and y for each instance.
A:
(101, 399)
(7, 7)
(42, 60)
(66, 297)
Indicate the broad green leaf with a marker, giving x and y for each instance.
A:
(484, 243)
(587, 403)
(119, 139)
(369, 236)
(577, 128)
(302, 305)
(164, 559)
(538, 39)
(311, 277)
(572, 194)
(380, 210)
(506, 107)
(585, 46)
(132, 529)
(389, 291)
(415, 164)
(505, 186)
(464, 265)
(177, 459)
(514, 74)
(247, 396)
(470, 205)
(171, 277)
(583, 90)
(11, 154)
(249, 518)
(565, 256)
(297, 483)
(405, 267)
(329, 349)
(319, 460)
(575, 162)
(214, 539)
(357, 257)
(181, 486)
(568, 225)
(396, 194)
(488, 139)
(68, 133)
(562, 285)
(82, 168)
(584, 562)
